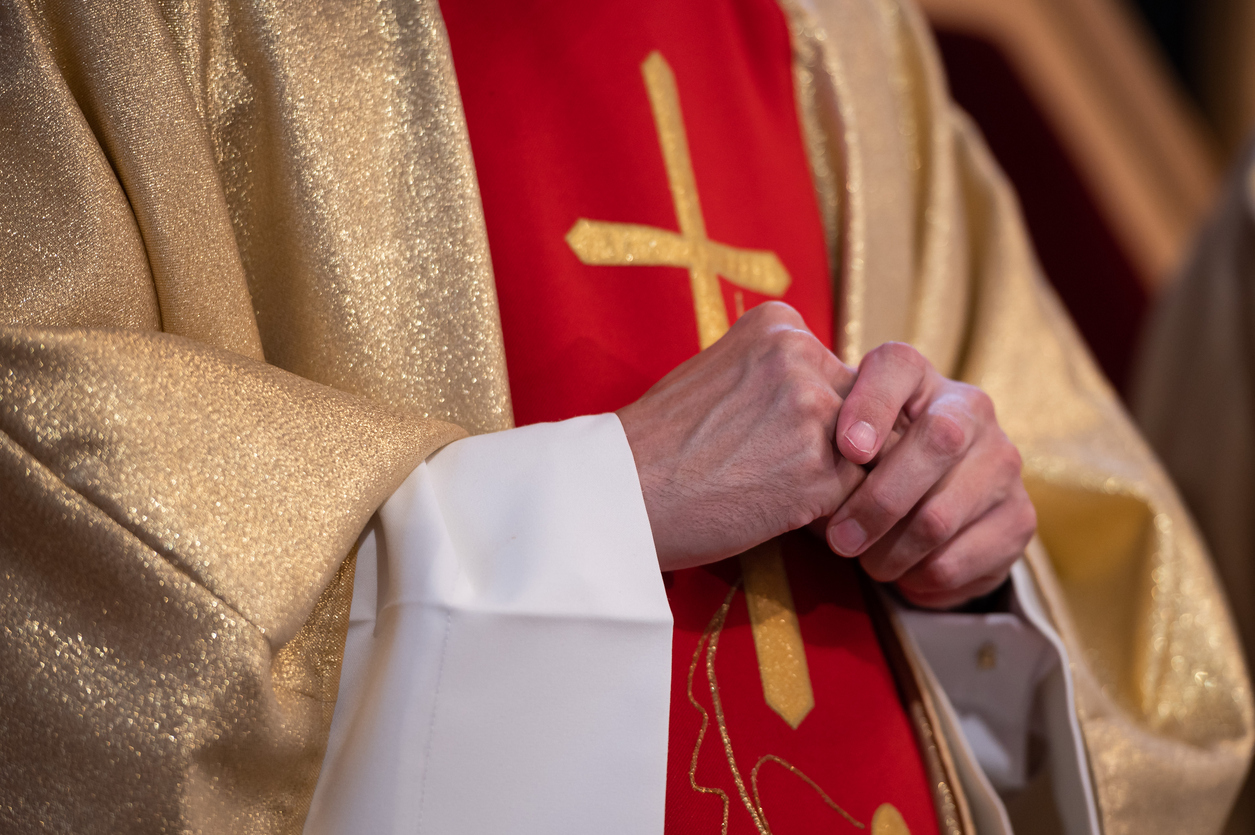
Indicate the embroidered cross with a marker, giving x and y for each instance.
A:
(600, 243)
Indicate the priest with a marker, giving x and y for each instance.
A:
(248, 291)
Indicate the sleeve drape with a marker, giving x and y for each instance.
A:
(184, 188)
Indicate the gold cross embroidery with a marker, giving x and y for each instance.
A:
(622, 244)
(777, 637)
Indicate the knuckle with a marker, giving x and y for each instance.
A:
(757, 323)
(757, 316)
(980, 403)
(934, 526)
(880, 570)
(808, 344)
(802, 399)
(882, 504)
(784, 349)
(818, 458)
(791, 358)
(945, 435)
(808, 400)
(799, 345)
(799, 516)
(899, 353)
(777, 313)
(776, 308)
(944, 574)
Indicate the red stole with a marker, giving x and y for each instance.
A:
(561, 129)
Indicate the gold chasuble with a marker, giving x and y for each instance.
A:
(245, 288)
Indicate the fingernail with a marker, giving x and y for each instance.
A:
(861, 436)
(847, 537)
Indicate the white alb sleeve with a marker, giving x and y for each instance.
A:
(509, 653)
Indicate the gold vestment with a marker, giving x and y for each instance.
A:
(1195, 398)
(245, 289)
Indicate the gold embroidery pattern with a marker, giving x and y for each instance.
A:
(709, 637)
(885, 821)
(766, 758)
(623, 244)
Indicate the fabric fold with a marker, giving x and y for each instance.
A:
(511, 672)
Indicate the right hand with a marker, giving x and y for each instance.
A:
(736, 445)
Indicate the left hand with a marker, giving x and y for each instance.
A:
(944, 513)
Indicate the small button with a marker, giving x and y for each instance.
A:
(987, 656)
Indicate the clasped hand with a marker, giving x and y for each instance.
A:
(766, 431)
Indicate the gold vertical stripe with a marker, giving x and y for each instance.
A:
(777, 637)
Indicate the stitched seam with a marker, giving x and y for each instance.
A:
(431, 727)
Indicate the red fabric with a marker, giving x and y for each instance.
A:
(855, 744)
(561, 129)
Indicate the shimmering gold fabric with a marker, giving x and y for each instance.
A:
(954, 814)
(342, 150)
(73, 147)
(1195, 397)
(175, 513)
(929, 247)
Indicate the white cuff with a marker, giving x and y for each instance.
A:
(990, 666)
(996, 678)
(514, 674)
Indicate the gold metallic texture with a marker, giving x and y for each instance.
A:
(777, 636)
